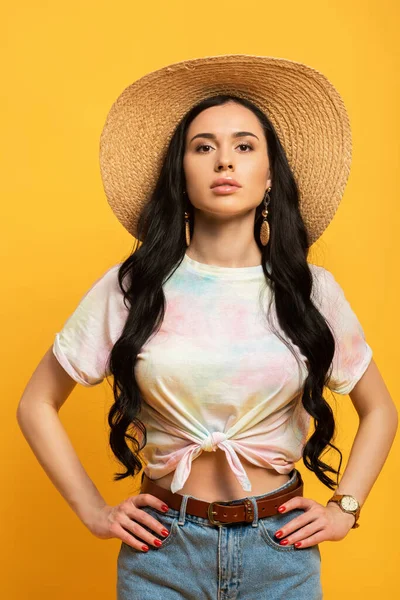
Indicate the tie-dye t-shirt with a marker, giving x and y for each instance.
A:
(215, 375)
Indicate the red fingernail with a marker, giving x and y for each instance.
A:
(281, 509)
(284, 542)
(164, 508)
(279, 534)
(158, 542)
(145, 548)
(164, 532)
(297, 544)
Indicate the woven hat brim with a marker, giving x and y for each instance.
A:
(306, 110)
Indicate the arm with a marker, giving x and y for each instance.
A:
(37, 416)
(374, 438)
(376, 431)
(368, 393)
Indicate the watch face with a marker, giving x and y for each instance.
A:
(349, 503)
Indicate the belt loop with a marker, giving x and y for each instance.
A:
(182, 510)
(255, 509)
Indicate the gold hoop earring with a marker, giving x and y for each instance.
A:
(264, 231)
(187, 226)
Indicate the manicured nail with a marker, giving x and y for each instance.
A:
(164, 508)
(164, 532)
(145, 548)
(279, 534)
(281, 509)
(297, 544)
(158, 543)
(283, 542)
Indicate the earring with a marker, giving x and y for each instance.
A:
(187, 227)
(264, 231)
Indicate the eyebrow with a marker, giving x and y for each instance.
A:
(211, 136)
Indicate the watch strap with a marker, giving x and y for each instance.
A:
(337, 498)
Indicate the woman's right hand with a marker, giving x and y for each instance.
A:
(125, 521)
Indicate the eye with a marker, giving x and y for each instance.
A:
(246, 145)
(202, 146)
(208, 146)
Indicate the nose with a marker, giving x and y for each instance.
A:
(224, 161)
(223, 166)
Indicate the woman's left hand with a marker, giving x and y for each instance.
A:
(317, 524)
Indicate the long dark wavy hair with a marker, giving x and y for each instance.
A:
(159, 249)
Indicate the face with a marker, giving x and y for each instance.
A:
(217, 152)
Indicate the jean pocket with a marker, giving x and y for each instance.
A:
(270, 525)
(169, 521)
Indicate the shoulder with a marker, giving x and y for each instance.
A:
(326, 288)
(108, 279)
(102, 304)
(105, 286)
(321, 275)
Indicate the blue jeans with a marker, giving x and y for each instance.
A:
(202, 561)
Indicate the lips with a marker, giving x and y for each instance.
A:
(224, 181)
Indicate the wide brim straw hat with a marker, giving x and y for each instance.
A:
(306, 110)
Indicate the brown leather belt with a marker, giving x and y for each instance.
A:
(220, 513)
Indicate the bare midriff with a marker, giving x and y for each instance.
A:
(211, 478)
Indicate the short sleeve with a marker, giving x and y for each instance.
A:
(352, 353)
(83, 345)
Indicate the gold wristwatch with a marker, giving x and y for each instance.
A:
(348, 504)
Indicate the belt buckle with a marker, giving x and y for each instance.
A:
(210, 512)
(248, 508)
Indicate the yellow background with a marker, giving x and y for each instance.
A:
(64, 63)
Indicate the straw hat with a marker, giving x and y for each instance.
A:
(305, 108)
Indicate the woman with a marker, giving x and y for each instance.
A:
(232, 333)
